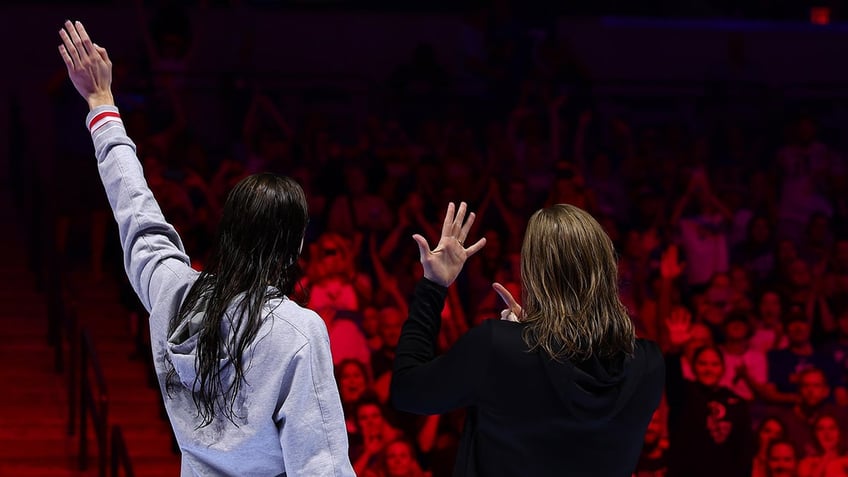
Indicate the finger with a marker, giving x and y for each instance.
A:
(63, 52)
(476, 247)
(456, 227)
(75, 39)
(69, 47)
(423, 246)
(507, 297)
(509, 315)
(103, 54)
(84, 39)
(463, 233)
(446, 226)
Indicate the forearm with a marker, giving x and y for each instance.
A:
(146, 237)
(417, 344)
(417, 368)
(769, 393)
(427, 434)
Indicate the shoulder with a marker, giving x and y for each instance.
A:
(293, 320)
(836, 466)
(807, 464)
(733, 399)
(489, 329)
(649, 352)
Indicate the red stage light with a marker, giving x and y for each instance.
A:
(820, 15)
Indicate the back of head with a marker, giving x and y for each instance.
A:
(569, 279)
(261, 232)
(255, 258)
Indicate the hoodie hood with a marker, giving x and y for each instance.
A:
(182, 349)
(182, 343)
(594, 389)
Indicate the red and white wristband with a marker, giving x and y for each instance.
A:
(102, 119)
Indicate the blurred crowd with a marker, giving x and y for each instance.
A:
(732, 240)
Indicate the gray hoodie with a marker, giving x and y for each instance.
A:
(289, 418)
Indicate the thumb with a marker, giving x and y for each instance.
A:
(507, 298)
(423, 246)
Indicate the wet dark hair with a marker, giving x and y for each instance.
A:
(254, 259)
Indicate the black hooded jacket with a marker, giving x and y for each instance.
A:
(527, 415)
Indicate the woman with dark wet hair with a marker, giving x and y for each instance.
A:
(246, 373)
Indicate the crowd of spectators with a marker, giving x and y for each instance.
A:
(732, 240)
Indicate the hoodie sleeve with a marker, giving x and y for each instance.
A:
(310, 419)
(423, 383)
(154, 257)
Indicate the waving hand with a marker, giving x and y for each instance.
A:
(443, 264)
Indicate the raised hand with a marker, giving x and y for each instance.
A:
(88, 65)
(443, 264)
(670, 266)
(513, 311)
(679, 326)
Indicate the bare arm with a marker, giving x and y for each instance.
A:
(386, 281)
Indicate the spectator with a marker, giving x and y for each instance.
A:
(358, 210)
(397, 460)
(374, 433)
(786, 365)
(354, 381)
(817, 244)
(756, 252)
(685, 338)
(768, 326)
(390, 322)
(711, 433)
(814, 392)
(838, 351)
(836, 275)
(804, 165)
(771, 429)
(703, 235)
(828, 447)
(654, 459)
(742, 363)
(782, 459)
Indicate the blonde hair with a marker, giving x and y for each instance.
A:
(569, 281)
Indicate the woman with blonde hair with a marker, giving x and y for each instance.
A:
(560, 386)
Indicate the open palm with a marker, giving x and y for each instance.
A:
(443, 263)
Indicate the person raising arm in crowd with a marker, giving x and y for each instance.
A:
(245, 372)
